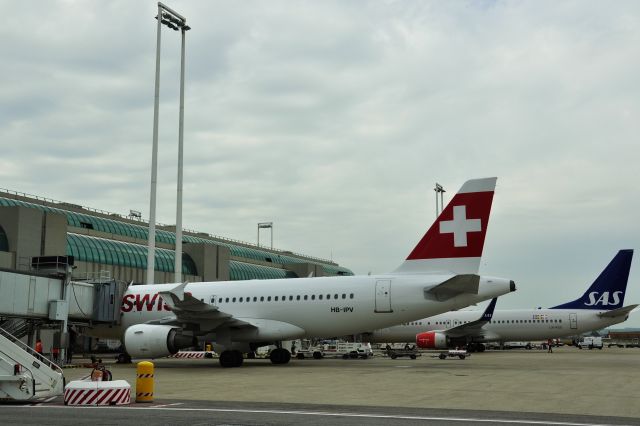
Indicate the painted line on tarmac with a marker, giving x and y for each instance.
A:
(353, 415)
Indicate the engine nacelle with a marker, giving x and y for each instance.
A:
(155, 341)
(432, 340)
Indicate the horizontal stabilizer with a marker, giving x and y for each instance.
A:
(620, 312)
(459, 284)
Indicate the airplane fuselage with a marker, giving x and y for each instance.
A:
(505, 325)
(323, 306)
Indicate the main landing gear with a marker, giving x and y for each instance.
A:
(280, 356)
(230, 359)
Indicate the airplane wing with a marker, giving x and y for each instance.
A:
(455, 286)
(191, 311)
(620, 312)
(473, 327)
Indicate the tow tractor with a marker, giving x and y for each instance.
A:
(411, 352)
(453, 353)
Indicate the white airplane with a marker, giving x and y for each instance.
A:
(599, 307)
(439, 275)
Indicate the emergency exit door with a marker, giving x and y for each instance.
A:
(383, 296)
(573, 321)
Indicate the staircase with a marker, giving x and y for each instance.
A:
(16, 327)
(25, 374)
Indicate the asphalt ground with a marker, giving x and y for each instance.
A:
(568, 386)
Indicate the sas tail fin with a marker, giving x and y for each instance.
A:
(607, 291)
(455, 241)
(488, 313)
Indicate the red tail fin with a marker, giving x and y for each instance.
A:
(455, 240)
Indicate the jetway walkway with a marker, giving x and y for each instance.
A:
(25, 374)
(32, 296)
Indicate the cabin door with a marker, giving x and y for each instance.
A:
(573, 321)
(383, 296)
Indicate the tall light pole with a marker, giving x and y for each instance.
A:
(263, 225)
(439, 189)
(175, 21)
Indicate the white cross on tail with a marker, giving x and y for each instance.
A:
(459, 226)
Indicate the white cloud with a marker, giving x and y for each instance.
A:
(334, 119)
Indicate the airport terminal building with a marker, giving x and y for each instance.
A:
(62, 262)
(113, 246)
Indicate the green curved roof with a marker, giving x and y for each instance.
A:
(248, 271)
(110, 252)
(81, 220)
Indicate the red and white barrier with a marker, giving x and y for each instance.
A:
(85, 392)
(192, 354)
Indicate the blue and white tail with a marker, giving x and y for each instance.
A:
(608, 290)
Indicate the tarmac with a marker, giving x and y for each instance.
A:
(568, 381)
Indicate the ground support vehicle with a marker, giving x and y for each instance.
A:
(398, 353)
(591, 343)
(453, 353)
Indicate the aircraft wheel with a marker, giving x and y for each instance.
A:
(280, 356)
(481, 347)
(461, 356)
(238, 359)
(317, 355)
(226, 359)
(442, 356)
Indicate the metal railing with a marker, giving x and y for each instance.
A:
(62, 204)
(46, 361)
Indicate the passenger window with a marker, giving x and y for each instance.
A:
(344, 296)
(306, 297)
(233, 300)
(275, 298)
(328, 296)
(262, 298)
(226, 300)
(290, 297)
(298, 297)
(313, 297)
(269, 299)
(240, 300)
(351, 296)
(335, 296)
(320, 296)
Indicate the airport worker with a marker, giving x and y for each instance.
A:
(55, 354)
(550, 344)
(39, 346)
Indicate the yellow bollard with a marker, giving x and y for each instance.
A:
(144, 382)
(207, 348)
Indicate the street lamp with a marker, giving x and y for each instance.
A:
(263, 225)
(175, 21)
(439, 189)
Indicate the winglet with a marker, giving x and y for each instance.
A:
(176, 293)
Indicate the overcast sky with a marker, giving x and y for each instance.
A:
(334, 120)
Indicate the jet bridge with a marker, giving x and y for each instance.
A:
(31, 300)
(39, 297)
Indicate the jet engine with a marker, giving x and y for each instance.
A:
(155, 341)
(432, 340)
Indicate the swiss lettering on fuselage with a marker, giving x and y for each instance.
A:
(143, 302)
(604, 299)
